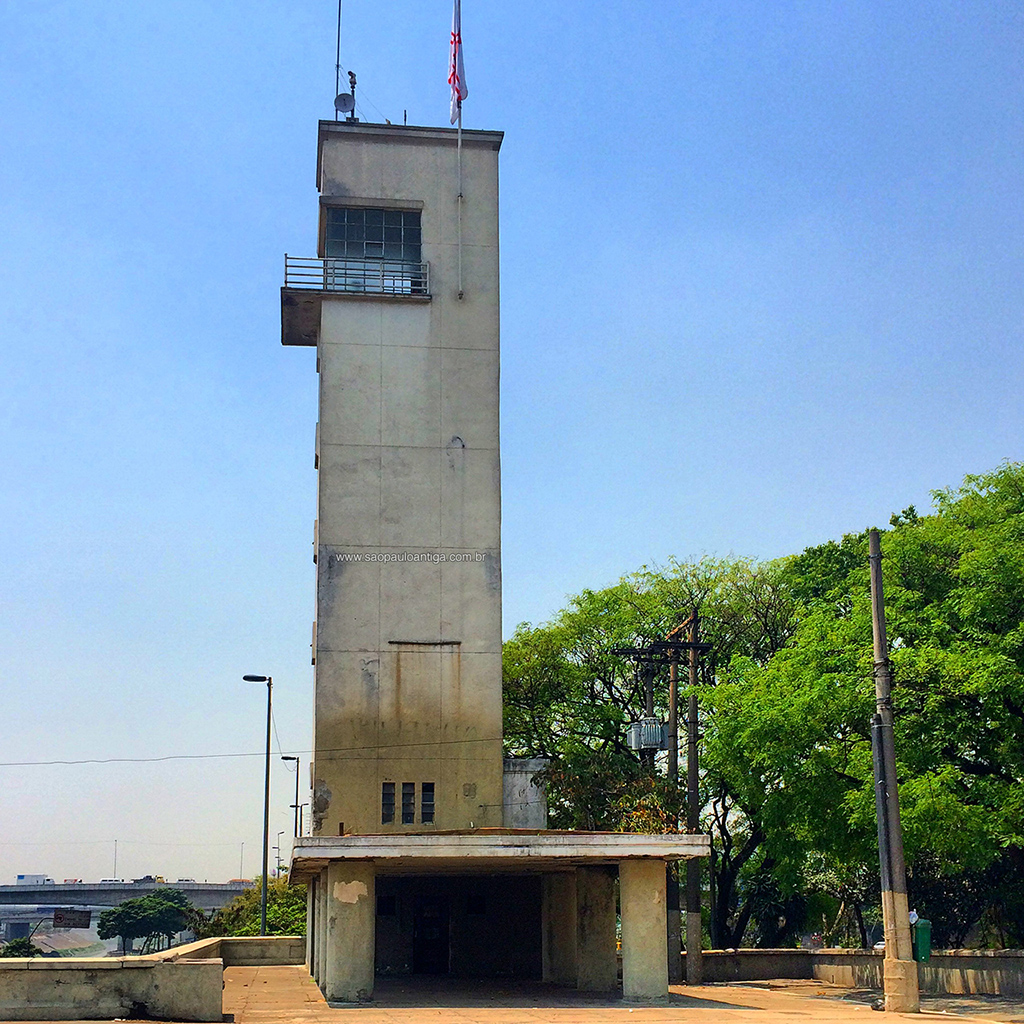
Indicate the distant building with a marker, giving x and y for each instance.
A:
(430, 854)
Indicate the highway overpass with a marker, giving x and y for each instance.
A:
(207, 895)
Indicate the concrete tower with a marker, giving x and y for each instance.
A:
(407, 644)
(428, 854)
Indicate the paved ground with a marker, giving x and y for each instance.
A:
(282, 995)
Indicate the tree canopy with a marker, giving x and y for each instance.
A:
(286, 911)
(21, 947)
(163, 913)
(787, 694)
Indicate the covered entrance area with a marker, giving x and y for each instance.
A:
(466, 926)
(492, 903)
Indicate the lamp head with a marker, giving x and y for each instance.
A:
(256, 679)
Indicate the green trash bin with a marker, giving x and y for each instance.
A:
(921, 940)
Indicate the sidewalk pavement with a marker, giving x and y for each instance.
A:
(288, 995)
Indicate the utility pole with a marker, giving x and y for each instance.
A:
(647, 658)
(675, 960)
(694, 959)
(899, 969)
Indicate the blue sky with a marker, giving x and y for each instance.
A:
(761, 285)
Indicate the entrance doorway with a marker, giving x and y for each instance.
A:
(431, 946)
(478, 926)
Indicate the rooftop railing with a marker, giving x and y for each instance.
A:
(357, 276)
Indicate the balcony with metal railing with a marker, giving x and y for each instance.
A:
(308, 279)
(363, 276)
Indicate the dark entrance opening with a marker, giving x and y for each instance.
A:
(477, 926)
(431, 937)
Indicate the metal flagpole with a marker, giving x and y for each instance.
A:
(457, 81)
(460, 198)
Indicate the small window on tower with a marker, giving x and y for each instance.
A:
(427, 803)
(408, 803)
(387, 803)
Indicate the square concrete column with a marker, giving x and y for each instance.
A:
(644, 939)
(558, 935)
(351, 920)
(320, 946)
(311, 926)
(596, 962)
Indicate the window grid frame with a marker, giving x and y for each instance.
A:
(408, 803)
(387, 807)
(396, 238)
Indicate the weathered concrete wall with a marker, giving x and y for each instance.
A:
(183, 983)
(956, 971)
(526, 803)
(726, 965)
(241, 951)
(408, 635)
(995, 972)
(105, 988)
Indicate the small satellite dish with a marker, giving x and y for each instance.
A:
(344, 103)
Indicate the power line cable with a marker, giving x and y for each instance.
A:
(324, 753)
(273, 719)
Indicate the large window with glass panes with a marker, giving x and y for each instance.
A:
(358, 233)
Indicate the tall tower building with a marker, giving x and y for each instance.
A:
(407, 647)
(428, 854)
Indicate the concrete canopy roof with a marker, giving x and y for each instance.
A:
(489, 850)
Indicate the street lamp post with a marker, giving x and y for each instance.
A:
(266, 798)
(291, 757)
(277, 850)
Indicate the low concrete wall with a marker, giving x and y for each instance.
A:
(952, 971)
(184, 983)
(725, 965)
(103, 988)
(244, 951)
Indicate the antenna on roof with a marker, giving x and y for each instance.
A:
(337, 68)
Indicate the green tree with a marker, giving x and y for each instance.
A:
(786, 766)
(569, 699)
(286, 911)
(22, 947)
(791, 737)
(160, 914)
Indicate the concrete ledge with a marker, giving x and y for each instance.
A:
(951, 971)
(244, 950)
(496, 849)
(61, 989)
(183, 983)
(730, 965)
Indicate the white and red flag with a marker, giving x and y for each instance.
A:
(456, 71)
